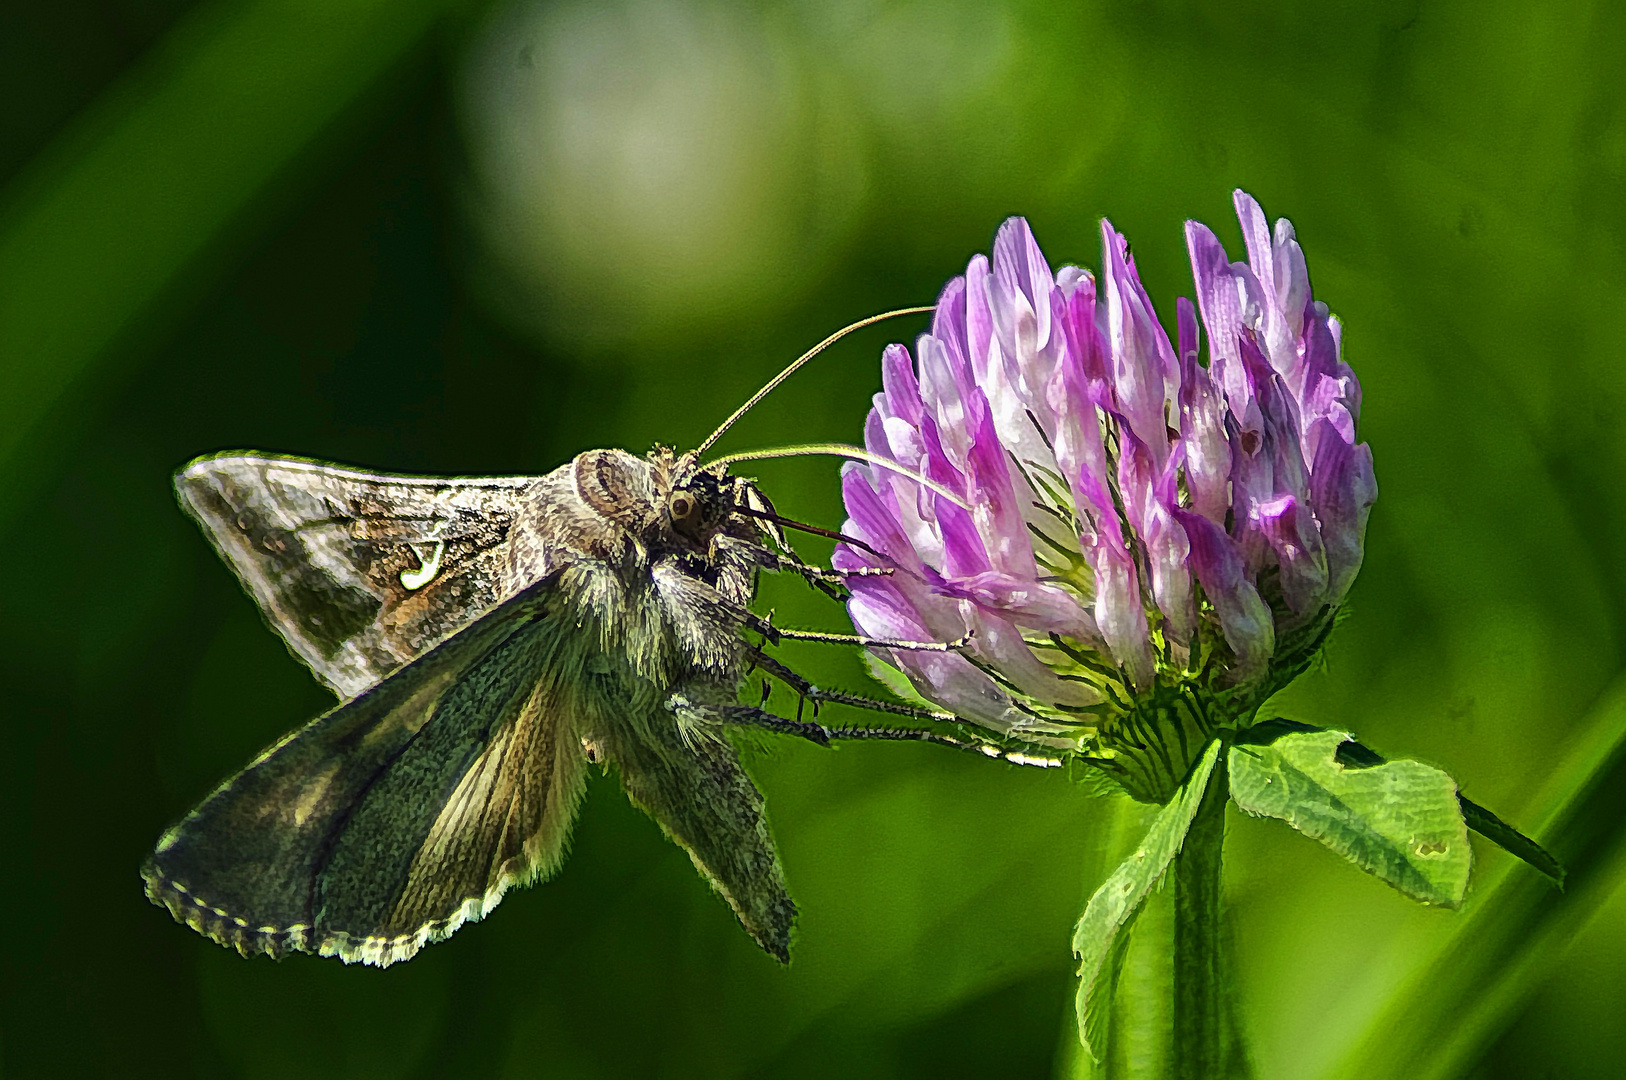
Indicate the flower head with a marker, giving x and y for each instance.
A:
(1143, 547)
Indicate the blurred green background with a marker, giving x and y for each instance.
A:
(444, 236)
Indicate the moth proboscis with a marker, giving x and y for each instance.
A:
(488, 637)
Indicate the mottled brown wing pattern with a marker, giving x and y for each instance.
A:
(361, 572)
(393, 819)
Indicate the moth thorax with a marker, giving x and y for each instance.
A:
(618, 486)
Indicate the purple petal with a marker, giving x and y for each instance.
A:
(1256, 236)
(1167, 555)
(1080, 454)
(1014, 368)
(870, 520)
(879, 609)
(1185, 320)
(1277, 332)
(963, 552)
(994, 505)
(1019, 298)
(955, 684)
(1271, 485)
(938, 465)
(1230, 300)
(903, 441)
(1328, 398)
(1026, 602)
(900, 494)
(1202, 427)
(1000, 644)
(1082, 332)
(979, 320)
(1252, 481)
(903, 605)
(1329, 388)
(1244, 619)
(1118, 610)
(1343, 489)
(1300, 555)
(1148, 498)
(876, 442)
(1136, 478)
(899, 385)
(949, 331)
(945, 386)
(1292, 277)
(913, 505)
(1143, 367)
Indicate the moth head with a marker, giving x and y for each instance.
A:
(699, 504)
(661, 499)
(683, 511)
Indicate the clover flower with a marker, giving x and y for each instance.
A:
(1143, 547)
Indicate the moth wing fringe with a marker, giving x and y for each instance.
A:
(234, 932)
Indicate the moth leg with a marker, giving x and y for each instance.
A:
(774, 634)
(984, 749)
(809, 692)
(872, 643)
(690, 712)
(707, 621)
(824, 579)
(751, 716)
(829, 582)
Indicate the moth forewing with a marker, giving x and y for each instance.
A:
(360, 572)
(401, 814)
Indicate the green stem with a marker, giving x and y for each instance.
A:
(1201, 1013)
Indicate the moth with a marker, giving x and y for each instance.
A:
(490, 638)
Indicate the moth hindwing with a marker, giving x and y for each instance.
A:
(491, 636)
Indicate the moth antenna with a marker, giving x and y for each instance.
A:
(794, 367)
(843, 450)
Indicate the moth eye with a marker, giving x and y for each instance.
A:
(681, 507)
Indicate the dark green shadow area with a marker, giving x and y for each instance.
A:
(1008, 1032)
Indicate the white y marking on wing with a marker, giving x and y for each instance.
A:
(427, 568)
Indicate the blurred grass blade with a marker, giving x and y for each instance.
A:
(1440, 1021)
(102, 227)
